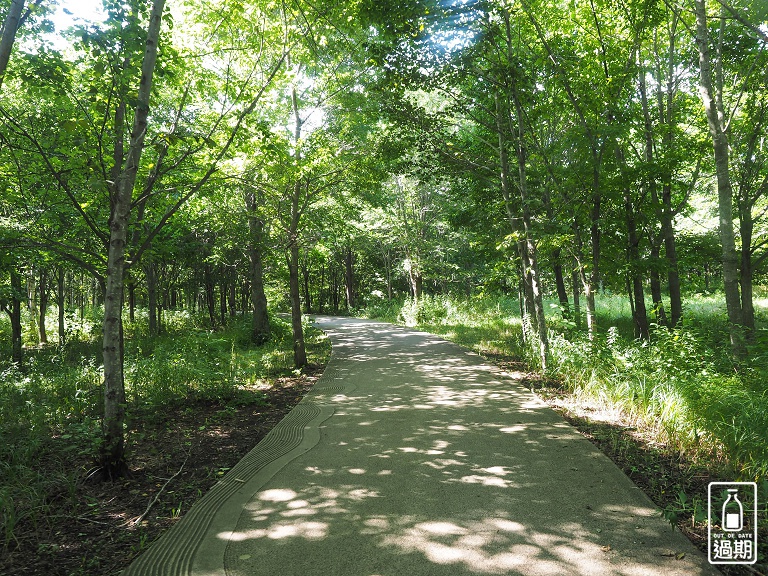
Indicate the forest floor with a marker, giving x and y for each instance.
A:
(178, 456)
(175, 458)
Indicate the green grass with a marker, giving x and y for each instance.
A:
(51, 411)
(681, 386)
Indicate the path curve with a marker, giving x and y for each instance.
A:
(412, 456)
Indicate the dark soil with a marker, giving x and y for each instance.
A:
(91, 528)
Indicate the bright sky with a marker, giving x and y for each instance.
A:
(86, 9)
(90, 10)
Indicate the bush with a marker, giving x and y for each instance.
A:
(52, 410)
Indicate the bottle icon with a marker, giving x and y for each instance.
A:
(733, 512)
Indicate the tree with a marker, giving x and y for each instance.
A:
(113, 455)
(711, 95)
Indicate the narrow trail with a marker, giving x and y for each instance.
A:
(412, 456)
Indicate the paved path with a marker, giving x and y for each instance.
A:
(413, 457)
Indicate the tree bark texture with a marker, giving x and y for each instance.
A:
(17, 350)
(113, 448)
(60, 303)
(530, 245)
(562, 292)
(659, 312)
(10, 27)
(299, 351)
(260, 329)
(306, 287)
(724, 188)
(43, 306)
(575, 283)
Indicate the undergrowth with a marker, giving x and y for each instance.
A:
(51, 409)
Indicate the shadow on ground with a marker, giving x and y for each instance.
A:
(435, 463)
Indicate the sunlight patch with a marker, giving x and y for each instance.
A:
(497, 470)
(278, 495)
(485, 481)
(506, 525)
(445, 528)
(442, 554)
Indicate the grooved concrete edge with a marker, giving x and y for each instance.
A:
(198, 542)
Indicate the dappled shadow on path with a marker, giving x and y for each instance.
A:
(435, 463)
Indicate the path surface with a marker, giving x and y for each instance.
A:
(413, 457)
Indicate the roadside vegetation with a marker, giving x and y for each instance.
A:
(197, 400)
(674, 412)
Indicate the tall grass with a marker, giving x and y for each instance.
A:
(681, 386)
(50, 411)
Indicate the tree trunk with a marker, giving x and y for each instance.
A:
(150, 272)
(631, 298)
(506, 191)
(10, 27)
(245, 295)
(639, 311)
(322, 292)
(667, 211)
(32, 301)
(724, 189)
(562, 292)
(334, 285)
(210, 295)
(530, 245)
(81, 297)
(299, 351)
(594, 235)
(575, 283)
(670, 249)
(653, 185)
(260, 328)
(232, 298)
(131, 299)
(43, 306)
(305, 273)
(415, 279)
(659, 313)
(113, 448)
(349, 276)
(223, 302)
(60, 303)
(17, 350)
(746, 228)
(388, 272)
